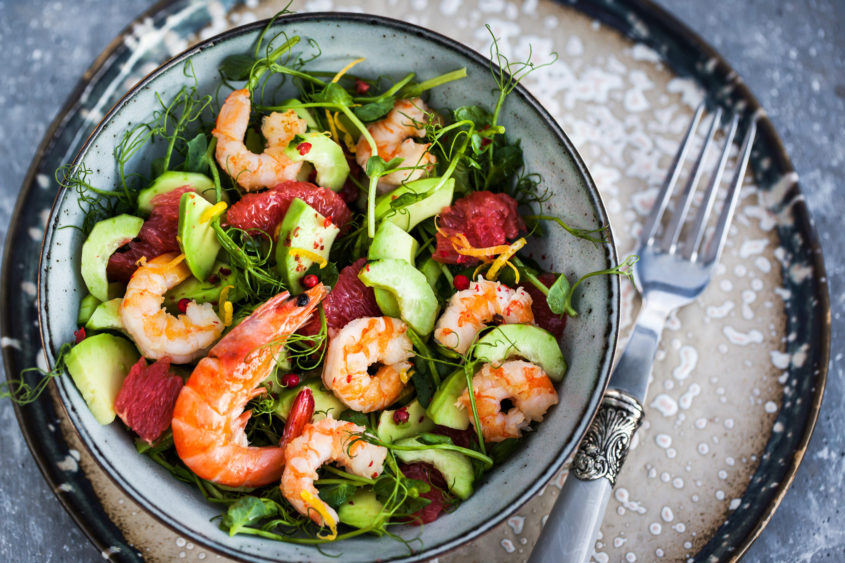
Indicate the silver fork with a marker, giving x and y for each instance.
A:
(672, 271)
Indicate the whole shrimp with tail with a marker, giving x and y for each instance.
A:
(209, 418)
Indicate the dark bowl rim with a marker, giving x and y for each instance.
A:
(610, 337)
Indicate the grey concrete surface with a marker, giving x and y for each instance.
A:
(790, 53)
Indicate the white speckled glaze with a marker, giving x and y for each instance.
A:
(588, 342)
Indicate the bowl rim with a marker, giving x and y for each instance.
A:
(610, 336)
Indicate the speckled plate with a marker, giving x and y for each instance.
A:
(740, 373)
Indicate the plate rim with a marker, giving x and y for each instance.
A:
(640, 7)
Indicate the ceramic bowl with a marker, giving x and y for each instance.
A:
(391, 48)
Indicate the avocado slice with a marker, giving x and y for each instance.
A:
(417, 303)
(106, 237)
(413, 214)
(205, 291)
(455, 467)
(171, 180)
(391, 242)
(443, 409)
(432, 271)
(87, 306)
(98, 366)
(362, 510)
(106, 316)
(389, 431)
(531, 342)
(197, 239)
(325, 403)
(89, 303)
(302, 228)
(327, 157)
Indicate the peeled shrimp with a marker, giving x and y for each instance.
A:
(250, 170)
(325, 441)
(472, 309)
(523, 383)
(209, 422)
(156, 332)
(358, 345)
(393, 137)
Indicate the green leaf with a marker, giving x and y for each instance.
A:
(195, 160)
(334, 93)
(327, 275)
(336, 495)
(505, 165)
(236, 67)
(246, 511)
(477, 114)
(374, 110)
(423, 382)
(503, 450)
(559, 296)
(158, 167)
(354, 417)
(375, 166)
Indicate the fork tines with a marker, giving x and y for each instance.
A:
(692, 249)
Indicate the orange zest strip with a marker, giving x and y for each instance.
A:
(345, 69)
(405, 375)
(213, 211)
(313, 256)
(503, 258)
(225, 306)
(318, 505)
(175, 262)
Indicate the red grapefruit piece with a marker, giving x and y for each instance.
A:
(263, 211)
(437, 494)
(484, 218)
(350, 299)
(147, 398)
(156, 237)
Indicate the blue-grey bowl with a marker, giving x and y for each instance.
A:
(391, 48)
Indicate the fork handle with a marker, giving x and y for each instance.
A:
(573, 525)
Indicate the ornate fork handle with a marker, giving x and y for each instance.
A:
(604, 448)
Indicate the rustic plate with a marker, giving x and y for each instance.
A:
(628, 79)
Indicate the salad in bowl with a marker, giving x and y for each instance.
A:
(314, 290)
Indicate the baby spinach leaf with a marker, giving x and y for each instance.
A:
(327, 275)
(334, 93)
(246, 511)
(336, 495)
(560, 294)
(374, 110)
(195, 160)
(237, 67)
(354, 417)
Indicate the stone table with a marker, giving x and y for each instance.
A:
(791, 55)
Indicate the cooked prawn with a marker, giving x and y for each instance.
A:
(523, 383)
(357, 346)
(394, 138)
(473, 308)
(250, 170)
(321, 442)
(209, 422)
(156, 332)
